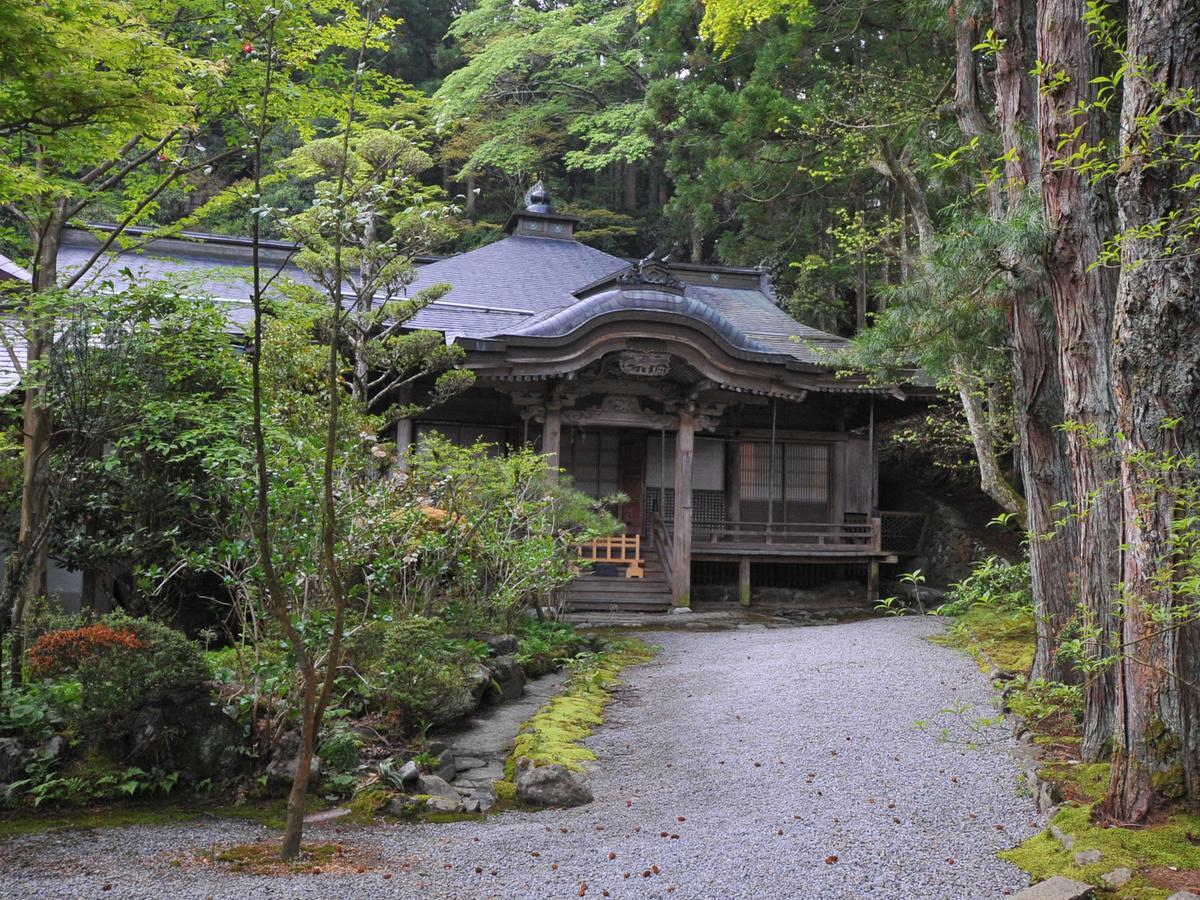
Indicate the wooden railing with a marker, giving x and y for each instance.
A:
(660, 540)
(620, 550)
(861, 536)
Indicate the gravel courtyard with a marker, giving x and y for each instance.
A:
(779, 763)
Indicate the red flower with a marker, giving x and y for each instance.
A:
(247, 47)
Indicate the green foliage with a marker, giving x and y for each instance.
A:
(543, 646)
(424, 674)
(119, 679)
(38, 710)
(995, 584)
(340, 751)
(1038, 700)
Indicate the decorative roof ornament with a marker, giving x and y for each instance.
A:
(537, 199)
(650, 271)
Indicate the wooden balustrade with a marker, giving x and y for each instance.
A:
(812, 536)
(620, 550)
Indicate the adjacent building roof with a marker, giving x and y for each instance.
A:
(538, 282)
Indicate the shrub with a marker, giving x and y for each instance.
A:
(993, 583)
(425, 675)
(123, 664)
(544, 645)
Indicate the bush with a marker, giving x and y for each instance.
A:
(424, 675)
(543, 646)
(993, 583)
(123, 664)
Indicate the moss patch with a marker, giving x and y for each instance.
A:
(262, 858)
(1002, 639)
(82, 819)
(1170, 843)
(555, 734)
(1083, 783)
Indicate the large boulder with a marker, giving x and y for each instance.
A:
(552, 785)
(192, 732)
(13, 759)
(281, 770)
(508, 676)
(500, 644)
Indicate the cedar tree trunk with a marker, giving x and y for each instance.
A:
(1082, 295)
(1157, 361)
(1037, 389)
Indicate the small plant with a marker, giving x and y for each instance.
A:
(916, 578)
(340, 751)
(892, 606)
(426, 761)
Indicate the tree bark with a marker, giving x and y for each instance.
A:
(1037, 389)
(1082, 295)
(1157, 333)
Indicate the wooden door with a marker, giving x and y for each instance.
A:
(631, 478)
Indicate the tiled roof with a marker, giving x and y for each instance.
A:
(514, 286)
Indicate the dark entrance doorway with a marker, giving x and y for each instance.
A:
(631, 478)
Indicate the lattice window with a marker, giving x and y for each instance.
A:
(792, 472)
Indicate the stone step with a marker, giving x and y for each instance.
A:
(1056, 888)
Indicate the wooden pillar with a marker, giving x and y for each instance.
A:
(873, 582)
(404, 435)
(681, 558)
(744, 581)
(552, 438)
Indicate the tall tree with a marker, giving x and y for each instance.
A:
(1157, 333)
(1082, 292)
(100, 104)
(1037, 386)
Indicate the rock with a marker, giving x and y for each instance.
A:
(1116, 878)
(479, 679)
(1056, 888)
(508, 676)
(500, 644)
(12, 759)
(400, 775)
(1088, 857)
(1184, 895)
(444, 804)
(1067, 840)
(680, 610)
(402, 807)
(483, 798)
(53, 748)
(446, 769)
(1047, 796)
(434, 786)
(467, 763)
(436, 748)
(281, 770)
(552, 785)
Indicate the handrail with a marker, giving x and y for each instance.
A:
(660, 539)
(866, 535)
(618, 549)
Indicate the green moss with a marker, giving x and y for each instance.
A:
(994, 638)
(554, 736)
(1161, 845)
(117, 816)
(1085, 781)
(368, 803)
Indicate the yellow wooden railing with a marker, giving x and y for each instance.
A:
(620, 550)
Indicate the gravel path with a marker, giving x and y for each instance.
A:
(763, 754)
